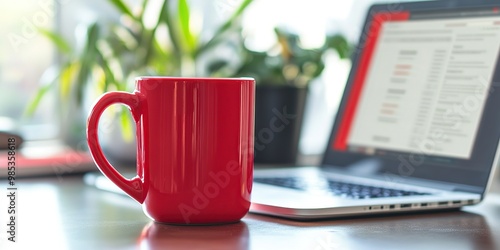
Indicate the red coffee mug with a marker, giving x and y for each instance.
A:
(194, 147)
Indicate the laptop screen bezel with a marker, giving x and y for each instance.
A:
(486, 144)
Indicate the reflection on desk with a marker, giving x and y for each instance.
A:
(65, 214)
(230, 237)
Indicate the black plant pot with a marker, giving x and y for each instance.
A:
(279, 111)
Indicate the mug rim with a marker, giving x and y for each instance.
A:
(141, 78)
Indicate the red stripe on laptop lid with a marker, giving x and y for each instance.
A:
(340, 142)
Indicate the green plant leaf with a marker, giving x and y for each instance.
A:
(123, 8)
(67, 77)
(216, 65)
(233, 18)
(340, 44)
(143, 8)
(35, 101)
(162, 61)
(126, 125)
(184, 21)
(58, 40)
(87, 61)
(224, 27)
(109, 76)
(165, 18)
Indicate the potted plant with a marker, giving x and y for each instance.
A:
(282, 81)
(129, 48)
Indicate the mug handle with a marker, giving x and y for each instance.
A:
(135, 186)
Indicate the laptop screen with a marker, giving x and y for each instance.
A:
(420, 90)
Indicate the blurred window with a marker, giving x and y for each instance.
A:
(24, 56)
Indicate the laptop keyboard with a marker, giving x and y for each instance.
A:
(343, 189)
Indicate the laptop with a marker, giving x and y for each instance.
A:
(418, 126)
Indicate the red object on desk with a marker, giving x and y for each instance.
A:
(66, 161)
(195, 147)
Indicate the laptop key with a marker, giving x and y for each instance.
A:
(287, 182)
(343, 189)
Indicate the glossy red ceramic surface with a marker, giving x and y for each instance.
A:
(195, 147)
